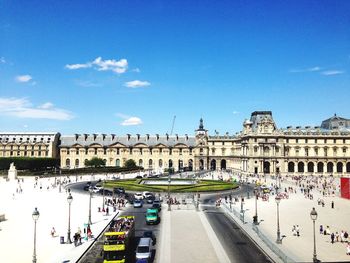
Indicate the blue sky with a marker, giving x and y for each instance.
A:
(130, 66)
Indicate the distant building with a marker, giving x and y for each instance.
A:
(261, 147)
(29, 144)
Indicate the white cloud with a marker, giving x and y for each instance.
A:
(88, 84)
(117, 66)
(137, 84)
(132, 121)
(78, 66)
(24, 78)
(46, 105)
(313, 69)
(129, 120)
(332, 72)
(23, 108)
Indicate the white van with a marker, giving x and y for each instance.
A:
(143, 249)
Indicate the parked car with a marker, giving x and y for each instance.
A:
(157, 206)
(138, 196)
(138, 203)
(147, 194)
(149, 234)
(119, 190)
(143, 249)
(149, 200)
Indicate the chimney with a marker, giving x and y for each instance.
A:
(186, 137)
(167, 136)
(147, 137)
(157, 135)
(177, 137)
(128, 135)
(113, 136)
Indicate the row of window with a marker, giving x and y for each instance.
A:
(296, 140)
(27, 153)
(140, 163)
(24, 147)
(320, 167)
(130, 150)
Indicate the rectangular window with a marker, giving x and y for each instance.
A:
(315, 140)
(325, 140)
(305, 140)
(335, 140)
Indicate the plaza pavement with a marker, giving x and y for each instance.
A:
(296, 211)
(17, 232)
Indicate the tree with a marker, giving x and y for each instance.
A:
(95, 162)
(130, 164)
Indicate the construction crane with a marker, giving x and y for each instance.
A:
(172, 126)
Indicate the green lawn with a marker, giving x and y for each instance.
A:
(201, 186)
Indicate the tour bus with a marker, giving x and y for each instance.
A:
(118, 238)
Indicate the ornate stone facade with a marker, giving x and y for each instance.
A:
(260, 147)
(27, 144)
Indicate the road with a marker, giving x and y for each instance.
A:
(94, 254)
(237, 245)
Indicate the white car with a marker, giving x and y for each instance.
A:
(138, 196)
(147, 194)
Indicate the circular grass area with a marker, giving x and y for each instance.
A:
(201, 186)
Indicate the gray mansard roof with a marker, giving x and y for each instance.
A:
(28, 137)
(335, 122)
(106, 140)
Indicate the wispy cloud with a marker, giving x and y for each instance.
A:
(312, 69)
(136, 70)
(88, 84)
(116, 66)
(235, 112)
(23, 78)
(137, 84)
(2, 60)
(129, 120)
(23, 108)
(332, 72)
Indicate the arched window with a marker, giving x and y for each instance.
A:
(339, 167)
(290, 167)
(201, 164)
(160, 163)
(348, 167)
(190, 164)
(300, 167)
(117, 163)
(140, 163)
(67, 162)
(213, 165)
(320, 167)
(329, 167)
(170, 163)
(223, 164)
(76, 163)
(310, 167)
(150, 164)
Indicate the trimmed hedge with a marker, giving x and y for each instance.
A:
(28, 163)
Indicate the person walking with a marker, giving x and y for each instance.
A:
(336, 236)
(332, 238)
(332, 204)
(348, 249)
(297, 230)
(321, 229)
(53, 232)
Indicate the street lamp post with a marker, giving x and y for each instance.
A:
(169, 204)
(69, 200)
(242, 203)
(103, 195)
(255, 218)
(89, 220)
(35, 216)
(279, 240)
(313, 215)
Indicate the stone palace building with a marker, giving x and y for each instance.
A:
(260, 147)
